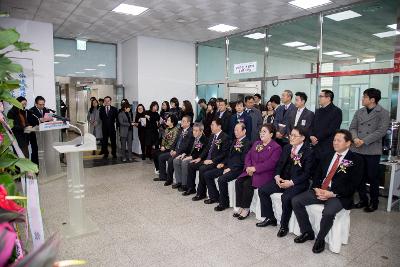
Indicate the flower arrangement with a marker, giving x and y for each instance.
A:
(344, 165)
(296, 159)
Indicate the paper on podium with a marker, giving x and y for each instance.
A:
(89, 144)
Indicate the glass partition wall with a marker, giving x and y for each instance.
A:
(345, 50)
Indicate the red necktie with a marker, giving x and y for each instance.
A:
(332, 172)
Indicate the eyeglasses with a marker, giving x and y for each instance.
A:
(321, 96)
(294, 136)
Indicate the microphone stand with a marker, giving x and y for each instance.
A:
(80, 132)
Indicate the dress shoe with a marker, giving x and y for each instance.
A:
(361, 204)
(319, 246)
(210, 201)
(220, 208)
(197, 198)
(189, 192)
(371, 208)
(235, 215)
(176, 186)
(183, 188)
(157, 179)
(168, 183)
(304, 237)
(283, 231)
(124, 160)
(243, 217)
(93, 152)
(267, 222)
(105, 156)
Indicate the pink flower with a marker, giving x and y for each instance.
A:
(6, 204)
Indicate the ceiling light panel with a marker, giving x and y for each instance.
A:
(129, 9)
(392, 26)
(307, 47)
(349, 14)
(222, 28)
(386, 34)
(62, 55)
(308, 4)
(294, 44)
(256, 35)
(343, 55)
(333, 53)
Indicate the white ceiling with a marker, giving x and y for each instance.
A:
(94, 20)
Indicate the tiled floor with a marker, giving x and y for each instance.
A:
(143, 223)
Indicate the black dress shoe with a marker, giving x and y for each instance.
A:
(168, 183)
(267, 222)
(210, 201)
(243, 217)
(319, 246)
(283, 231)
(361, 204)
(183, 188)
(235, 215)
(304, 237)
(158, 179)
(176, 186)
(220, 208)
(189, 192)
(371, 208)
(197, 198)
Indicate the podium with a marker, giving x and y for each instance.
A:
(79, 224)
(47, 133)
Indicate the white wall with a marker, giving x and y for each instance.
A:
(41, 36)
(129, 58)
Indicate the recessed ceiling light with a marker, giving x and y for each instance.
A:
(333, 53)
(256, 35)
(129, 9)
(294, 44)
(307, 47)
(79, 72)
(90, 69)
(101, 65)
(367, 60)
(392, 26)
(222, 28)
(343, 55)
(386, 34)
(56, 62)
(344, 15)
(62, 55)
(307, 4)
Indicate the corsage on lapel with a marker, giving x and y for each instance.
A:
(296, 159)
(169, 135)
(344, 165)
(238, 146)
(198, 145)
(217, 143)
(259, 148)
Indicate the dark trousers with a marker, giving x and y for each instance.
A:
(371, 176)
(191, 177)
(202, 186)
(156, 159)
(164, 173)
(244, 192)
(109, 134)
(332, 207)
(143, 146)
(223, 179)
(270, 188)
(34, 148)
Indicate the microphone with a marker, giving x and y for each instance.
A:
(33, 114)
(51, 110)
(59, 117)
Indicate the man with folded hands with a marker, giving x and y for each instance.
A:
(214, 153)
(334, 183)
(228, 170)
(291, 178)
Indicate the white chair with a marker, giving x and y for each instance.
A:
(339, 233)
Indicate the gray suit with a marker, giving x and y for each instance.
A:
(305, 120)
(256, 123)
(371, 128)
(126, 133)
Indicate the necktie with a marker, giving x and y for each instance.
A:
(332, 172)
(107, 109)
(293, 153)
(212, 147)
(41, 112)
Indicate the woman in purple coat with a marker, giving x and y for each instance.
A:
(259, 169)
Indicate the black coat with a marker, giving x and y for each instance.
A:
(220, 151)
(236, 156)
(196, 152)
(226, 121)
(300, 175)
(184, 143)
(19, 125)
(108, 121)
(306, 119)
(34, 111)
(152, 134)
(207, 123)
(344, 183)
(326, 121)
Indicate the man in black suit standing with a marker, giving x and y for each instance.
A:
(327, 120)
(338, 175)
(282, 114)
(108, 115)
(301, 116)
(214, 153)
(256, 118)
(224, 115)
(228, 170)
(35, 116)
(292, 178)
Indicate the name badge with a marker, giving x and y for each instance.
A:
(303, 122)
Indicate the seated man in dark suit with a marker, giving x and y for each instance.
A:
(240, 117)
(334, 183)
(228, 170)
(214, 153)
(291, 178)
(179, 146)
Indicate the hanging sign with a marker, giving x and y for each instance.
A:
(245, 67)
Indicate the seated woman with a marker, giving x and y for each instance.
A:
(197, 144)
(292, 176)
(170, 134)
(260, 164)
